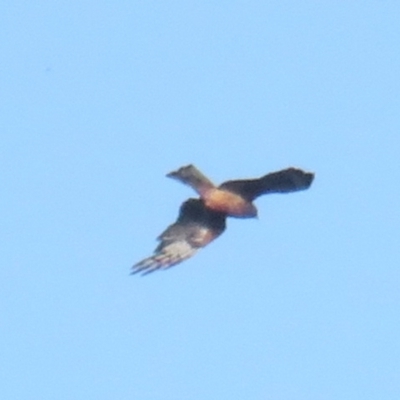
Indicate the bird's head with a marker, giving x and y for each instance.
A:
(247, 210)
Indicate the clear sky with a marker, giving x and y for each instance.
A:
(99, 100)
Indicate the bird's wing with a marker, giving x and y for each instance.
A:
(285, 181)
(190, 175)
(195, 227)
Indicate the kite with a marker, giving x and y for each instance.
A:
(202, 220)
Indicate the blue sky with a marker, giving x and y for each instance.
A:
(99, 100)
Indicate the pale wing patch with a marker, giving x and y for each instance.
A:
(166, 257)
(201, 237)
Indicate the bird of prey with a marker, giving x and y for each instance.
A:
(202, 220)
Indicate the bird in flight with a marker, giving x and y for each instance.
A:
(203, 219)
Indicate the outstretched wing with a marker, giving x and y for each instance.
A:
(195, 227)
(285, 181)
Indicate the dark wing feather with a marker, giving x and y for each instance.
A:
(195, 227)
(285, 181)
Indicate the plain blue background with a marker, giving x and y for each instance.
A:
(99, 100)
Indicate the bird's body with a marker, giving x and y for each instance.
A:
(202, 220)
(229, 203)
